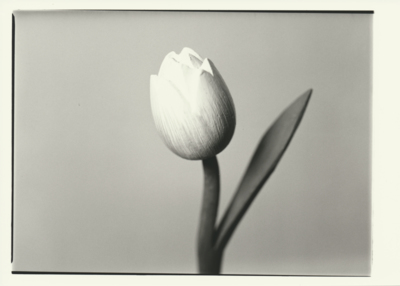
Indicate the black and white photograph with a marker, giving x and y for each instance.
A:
(192, 142)
(186, 143)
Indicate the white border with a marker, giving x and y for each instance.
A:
(386, 142)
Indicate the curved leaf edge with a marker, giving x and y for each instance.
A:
(230, 219)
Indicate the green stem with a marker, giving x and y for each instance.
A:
(208, 257)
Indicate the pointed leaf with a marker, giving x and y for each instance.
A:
(266, 157)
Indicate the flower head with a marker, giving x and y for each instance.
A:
(192, 106)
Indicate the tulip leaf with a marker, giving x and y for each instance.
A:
(264, 161)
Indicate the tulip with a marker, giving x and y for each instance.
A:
(195, 116)
(192, 107)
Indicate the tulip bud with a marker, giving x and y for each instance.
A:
(192, 106)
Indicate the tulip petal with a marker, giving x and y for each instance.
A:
(165, 100)
(189, 51)
(213, 87)
(213, 104)
(196, 63)
(207, 67)
(171, 70)
(192, 77)
(190, 58)
(181, 130)
(170, 111)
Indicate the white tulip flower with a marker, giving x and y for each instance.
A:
(192, 106)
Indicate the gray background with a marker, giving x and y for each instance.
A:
(96, 189)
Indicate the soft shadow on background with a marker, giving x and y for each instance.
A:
(96, 190)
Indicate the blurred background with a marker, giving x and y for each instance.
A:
(95, 188)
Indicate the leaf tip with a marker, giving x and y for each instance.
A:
(308, 93)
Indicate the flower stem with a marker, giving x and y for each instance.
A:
(208, 257)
